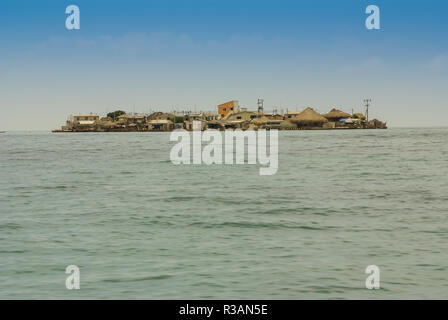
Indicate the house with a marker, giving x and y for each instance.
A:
(228, 108)
(243, 115)
(131, 119)
(190, 123)
(201, 116)
(166, 116)
(274, 116)
(160, 125)
(83, 118)
(291, 114)
(236, 124)
(309, 118)
(336, 115)
(273, 124)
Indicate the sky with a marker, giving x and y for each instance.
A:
(165, 55)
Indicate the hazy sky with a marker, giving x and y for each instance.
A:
(190, 54)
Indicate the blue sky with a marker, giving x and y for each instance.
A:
(165, 55)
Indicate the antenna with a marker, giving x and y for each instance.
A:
(260, 106)
(367, 104)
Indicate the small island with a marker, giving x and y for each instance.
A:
(229, 116)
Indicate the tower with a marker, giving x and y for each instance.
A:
(367, 104)
(260, 107)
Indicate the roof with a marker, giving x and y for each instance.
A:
(228, 102)
(234, 114)
(260, 120)
(287, 124)
(235, 121)
(84, 115)
(202, 114)
(131, 116)
(359, 115)
(209, 114)
(336, 114)
(160, 121)
(309, 116)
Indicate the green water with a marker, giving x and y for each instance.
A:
(139, 227)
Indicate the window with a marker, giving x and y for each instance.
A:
(223, 109)
(231, 108)
(239, 118)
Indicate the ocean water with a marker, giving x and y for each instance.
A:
(139, 227)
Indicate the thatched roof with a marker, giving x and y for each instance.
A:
(274, 117)
(260, 121)
(287, 125)
(336, 114)
(308, 116)
(359, 116)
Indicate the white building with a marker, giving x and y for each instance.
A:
(84, 118)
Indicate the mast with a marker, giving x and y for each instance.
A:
(260, 107)
(367, 104)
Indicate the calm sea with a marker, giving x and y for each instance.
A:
(139, 227)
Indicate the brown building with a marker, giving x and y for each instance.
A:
(228, 107)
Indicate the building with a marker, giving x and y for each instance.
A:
(176, 118)
(227, 108)
(131, 119)
(83, 118)
(201, 116)
(273, 124)
(336, 115)
(309, 118)
(291, 114)
(160, 125)
(243, 115)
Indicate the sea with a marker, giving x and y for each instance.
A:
(140, 227)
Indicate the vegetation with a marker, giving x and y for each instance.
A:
(178, 119)
(115, 114)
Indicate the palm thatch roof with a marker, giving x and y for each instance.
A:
(336, 114)
(287, 125)
(274, 117)
(309, 116)
(260, 121)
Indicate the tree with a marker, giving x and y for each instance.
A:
(178, 119)
(114, 115)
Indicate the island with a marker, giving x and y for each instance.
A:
(229, 116)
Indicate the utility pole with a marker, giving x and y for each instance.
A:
(260, 107)
(367, 104)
